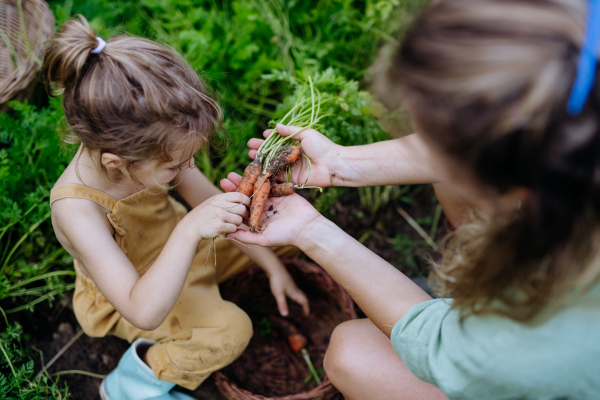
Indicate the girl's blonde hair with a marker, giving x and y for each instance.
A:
(488, 82)
(136, 98)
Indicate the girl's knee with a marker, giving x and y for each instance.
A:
(214, 348)
(239, 324)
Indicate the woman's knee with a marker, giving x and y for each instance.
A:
(345, 351)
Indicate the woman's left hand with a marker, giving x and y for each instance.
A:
(283, 286)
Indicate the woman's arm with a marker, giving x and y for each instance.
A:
(401, 161)
(380, 290)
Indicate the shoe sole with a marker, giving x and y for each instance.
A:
(103, 394)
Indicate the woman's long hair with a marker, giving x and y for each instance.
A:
(488, 83)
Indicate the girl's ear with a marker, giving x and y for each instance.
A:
(112, 161)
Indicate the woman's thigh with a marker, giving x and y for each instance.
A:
(362, 364)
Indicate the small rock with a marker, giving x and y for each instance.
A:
(106, 359)
(65, 327)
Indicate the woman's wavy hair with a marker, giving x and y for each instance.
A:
(488, 81)
(136, 98)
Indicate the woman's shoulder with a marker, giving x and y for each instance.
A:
(476, 356)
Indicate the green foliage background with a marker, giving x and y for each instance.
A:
(254, 53)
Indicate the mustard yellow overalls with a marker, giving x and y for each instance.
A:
(202, 333)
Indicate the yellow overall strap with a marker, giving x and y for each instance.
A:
(75, 191)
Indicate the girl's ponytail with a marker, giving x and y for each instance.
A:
(134, 98)
(67, 54)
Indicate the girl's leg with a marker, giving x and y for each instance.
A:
(362, 364)
(202, 333)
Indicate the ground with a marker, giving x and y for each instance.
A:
(384, 231)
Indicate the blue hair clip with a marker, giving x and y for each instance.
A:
(588, 60)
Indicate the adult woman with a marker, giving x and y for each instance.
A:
(493, 87)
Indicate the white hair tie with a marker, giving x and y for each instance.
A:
(101, 45)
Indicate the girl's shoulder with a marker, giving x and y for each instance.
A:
(78, 209)
(83, 195)
(69, 190)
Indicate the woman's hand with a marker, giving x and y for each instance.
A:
(219, 215)
(288, 217)
(321, 151)
(283, 286)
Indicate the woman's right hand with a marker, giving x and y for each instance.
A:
(290, 218)
(321, 151)
(218, 215)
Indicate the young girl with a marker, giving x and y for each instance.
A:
(144, 268)
(505, 95)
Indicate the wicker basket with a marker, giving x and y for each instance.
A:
(25, 28)
(269, 368)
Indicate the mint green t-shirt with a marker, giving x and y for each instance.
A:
(492, 357)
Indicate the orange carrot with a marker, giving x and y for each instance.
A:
(283, 189)
(259, 200)
(252, 171)
(296, 340)
(287, 155)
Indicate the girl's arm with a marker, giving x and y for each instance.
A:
(82, 228)
(379, 289)
(194, 187)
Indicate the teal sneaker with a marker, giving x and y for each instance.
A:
(134, 380)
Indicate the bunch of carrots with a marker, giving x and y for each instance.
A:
(277, 154)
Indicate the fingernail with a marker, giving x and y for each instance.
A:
(284, 313)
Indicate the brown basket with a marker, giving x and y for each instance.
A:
(269, 369)
(26, 28)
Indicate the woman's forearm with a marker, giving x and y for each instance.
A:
(380, 290)
(403, 161)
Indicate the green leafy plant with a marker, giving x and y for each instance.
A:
(16, 370)
(33, 266)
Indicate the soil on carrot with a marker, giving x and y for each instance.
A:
(385, 232)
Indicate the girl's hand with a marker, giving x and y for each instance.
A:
(289, 216)
(321, 151)
(219, 215)
(282, 286)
